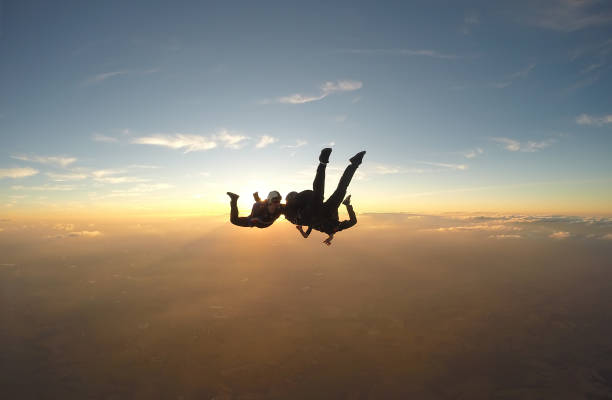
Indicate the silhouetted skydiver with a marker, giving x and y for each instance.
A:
(263, 214)
(308, 208)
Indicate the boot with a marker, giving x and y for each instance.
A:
(233, 196)
(324, 157)
(356, 159)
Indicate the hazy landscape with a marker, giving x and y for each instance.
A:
(403, 306)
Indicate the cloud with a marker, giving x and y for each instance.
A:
(264, 141)
(585, 119)
(469, 21)
(326, 89)
(111, 74)
(16, 173)
(386, 170)
(527, 147)
(512, 77)
(509, 144)
(110, 176)
(104, 76)
(460, 167)
(531, 147)
(143, 166)
(299, 99)
(63, 188)
(87, 234)
(474, 153)
(66, 177)
(230, 140)
(559, 235)
(341, 118)
(512, 236)
(97, 137)
(121, 179)
(140, 189)
(593, 67)
(178, 141)
(52, 160)
(190, 142)
(63, 227)
(402, 52)
(299, 143)
(566, 15)
(477, 227)
(106, 172)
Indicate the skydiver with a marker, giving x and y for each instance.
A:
(263, 214)
(308, 209)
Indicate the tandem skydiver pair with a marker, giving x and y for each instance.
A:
(307, 207)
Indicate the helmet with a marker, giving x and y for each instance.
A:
(290, 196)
(274, 195)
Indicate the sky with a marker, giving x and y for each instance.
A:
(122, 108)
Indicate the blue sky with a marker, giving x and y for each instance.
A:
(460, 105)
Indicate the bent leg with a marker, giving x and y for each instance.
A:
(235, 219)
(336, 198)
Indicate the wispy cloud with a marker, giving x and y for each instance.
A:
(190, 142)
(53, 160)
(508, 80)
(527, 147)
(341, 118)
(387, 169)
(401, 52)
(95, 79)
(104, 76)
(111, 176)
(97, 137)
(505, 236)
(566, 15)
(326, 89)
(265, 141)
(469, 22)
(16, 173)
(230, 140)
(87, 234)
(591, 68)
(121, 179)
(66, 177)
(100, 173)
(140, 189)
(298, 143)
(143, 166)
(474, 153)
(44, 188)
(559, 235)
(477, 227)
(460, 167)
(585, 119)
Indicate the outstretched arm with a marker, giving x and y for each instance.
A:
(256, 197)
(304, 234)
